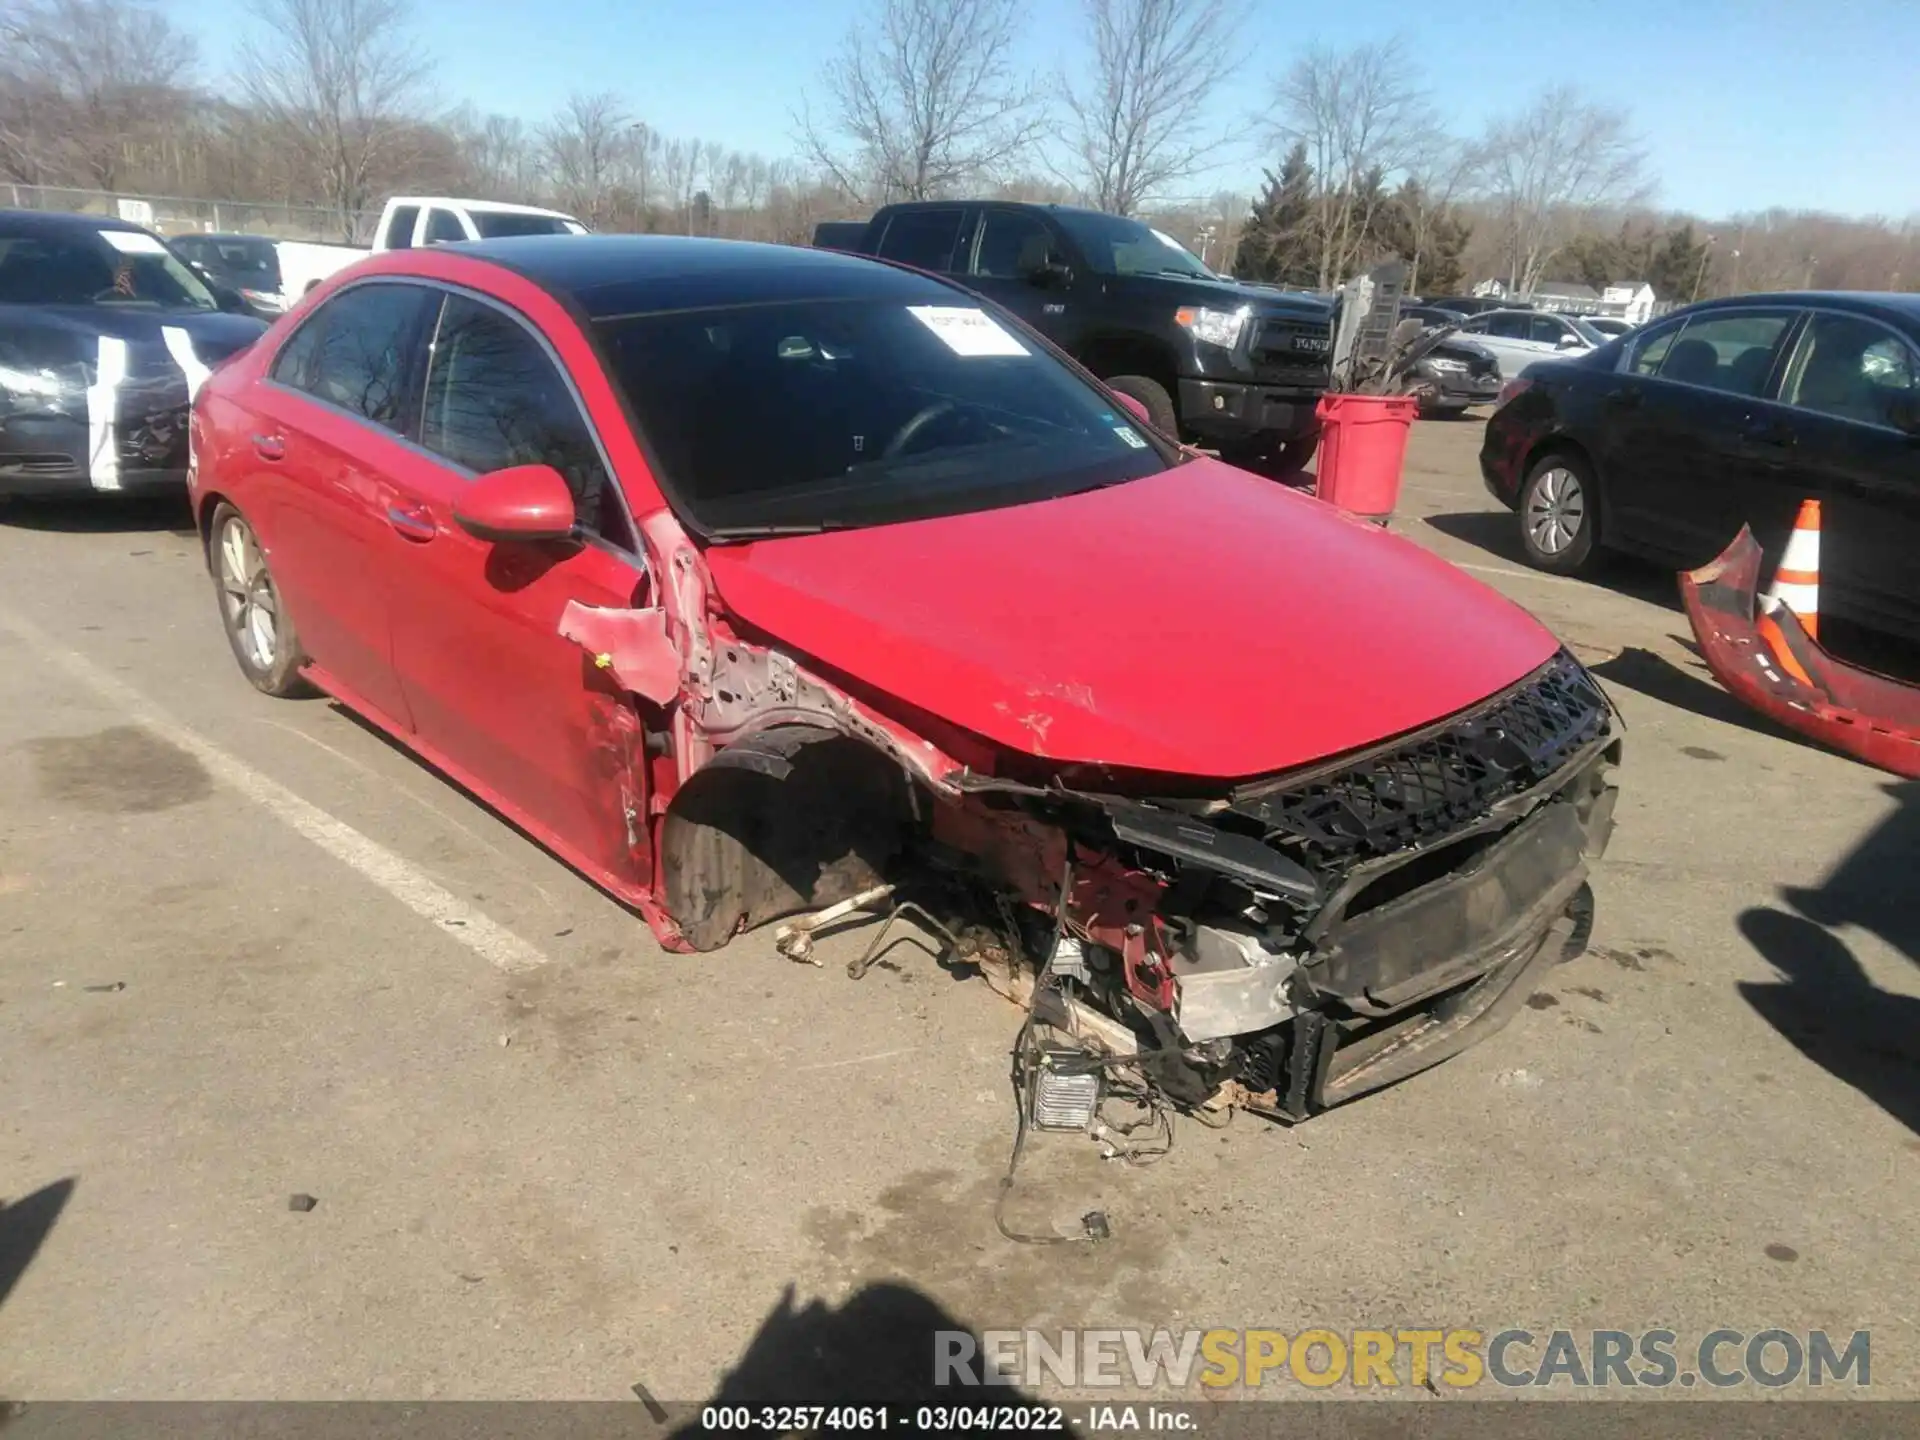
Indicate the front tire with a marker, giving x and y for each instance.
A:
(1153, 395)
(1559, 514)
(259, 629)
(1290, 456)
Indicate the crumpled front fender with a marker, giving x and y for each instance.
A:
(1772, 664)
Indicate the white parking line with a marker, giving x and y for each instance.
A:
(402, 880)
(1511, 574)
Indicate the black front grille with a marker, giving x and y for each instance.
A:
(1436, 784)
(1292, 342)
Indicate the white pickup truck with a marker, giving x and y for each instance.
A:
(411, 220)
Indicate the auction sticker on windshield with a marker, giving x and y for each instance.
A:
(133, 242)
(967, 331)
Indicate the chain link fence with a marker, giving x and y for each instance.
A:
(181, 215)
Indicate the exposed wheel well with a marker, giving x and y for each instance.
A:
(794, 819)
(203, 522)
(1128, 355)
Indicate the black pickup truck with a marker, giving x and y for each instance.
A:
(1237, 368)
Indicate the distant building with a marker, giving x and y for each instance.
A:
(1566, 297)
(1632, 300)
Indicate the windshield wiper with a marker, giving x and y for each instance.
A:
(769, 532)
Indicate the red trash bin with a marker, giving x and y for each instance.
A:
(1363, 441)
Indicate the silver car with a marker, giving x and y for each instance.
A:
(1517, 338)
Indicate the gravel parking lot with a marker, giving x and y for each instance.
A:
(249, 949)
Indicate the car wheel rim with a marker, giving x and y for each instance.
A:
(1556, 511)
(247, 596)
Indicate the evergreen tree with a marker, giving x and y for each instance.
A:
(1668, 260)
(1595, 259)
(1676, 266)
(1279, 240)
(1431, 237)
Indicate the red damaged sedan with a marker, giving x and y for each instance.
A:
(750, 579)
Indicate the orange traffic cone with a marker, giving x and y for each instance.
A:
(1796, 584)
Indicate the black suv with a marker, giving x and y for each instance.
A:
(1663, 443)
(1238, 368)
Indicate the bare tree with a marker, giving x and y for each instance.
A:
(1362, 117)
(87, 83)
(1137, 125)
(922, 97)
(344, 80)
(1547, 167)
(499, 154)
(584, 148)
(679, 167)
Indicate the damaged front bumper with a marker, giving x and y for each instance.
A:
(65, 437)
(1314, 937)
(1773, 665)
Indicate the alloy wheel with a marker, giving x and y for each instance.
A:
(247, 596)
(1556, 510)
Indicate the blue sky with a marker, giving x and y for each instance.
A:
(1742, 104)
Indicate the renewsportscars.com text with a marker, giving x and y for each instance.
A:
(1215, 1360)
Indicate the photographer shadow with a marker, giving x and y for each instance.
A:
(1828, 1006)
(879, 1348)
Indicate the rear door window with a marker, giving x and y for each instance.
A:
(501, 225)
(1012, 245)
(1733, 353)
(924, 239)
(1853, 368)
(400, 227)
(353, 351)
(443, 227)
(1652, 348)
(1547, 329)
(1509, 327)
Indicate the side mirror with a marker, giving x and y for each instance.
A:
(524, 502)
(1571, 342)
(229, 300)
(1051, 274)
(1137, 406)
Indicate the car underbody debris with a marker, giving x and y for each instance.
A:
(1767, 660)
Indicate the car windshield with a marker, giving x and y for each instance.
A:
(504, 224)
(824, 414)
(254, 263)
(1117, 246)
(1586, 332)
(97, 267)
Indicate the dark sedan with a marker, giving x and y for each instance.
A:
(247, 265)
(105, 334)
(1663, 443)
(1452, 375)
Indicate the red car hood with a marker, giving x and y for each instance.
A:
(1202, 621)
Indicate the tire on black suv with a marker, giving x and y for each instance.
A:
(1152, 394)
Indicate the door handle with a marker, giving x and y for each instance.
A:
(1769, 432)
(1625, 398)
(412, 521)
(269, 447)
